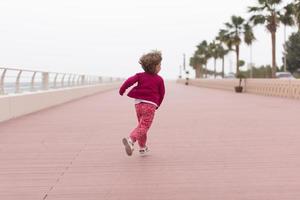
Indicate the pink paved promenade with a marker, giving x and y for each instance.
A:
(205, 145)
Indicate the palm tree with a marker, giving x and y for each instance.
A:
(222, 53)
(204, 55)
(234, 30)
(207, 55)
(296, 12)
(223, 39)
(197, 63)
(268, 12)
(287, 20)
(248, 39)
(213, 49)
(194, 62)
(199, 59)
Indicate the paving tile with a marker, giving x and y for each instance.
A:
(204, 144)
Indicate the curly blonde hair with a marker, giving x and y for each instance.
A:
(150, 60)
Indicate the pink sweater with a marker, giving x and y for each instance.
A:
(150, 87)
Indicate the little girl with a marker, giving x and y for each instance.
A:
(148, 94)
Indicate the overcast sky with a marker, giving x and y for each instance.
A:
(108, 37)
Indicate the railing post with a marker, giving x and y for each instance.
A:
(18, 82)
(55, 78)
(63, 80)
(2, 81)
(73, 80)
(32, 81)
(86, 80)
(69, 80)
(82, 80)
(45, 80)
(78, 80)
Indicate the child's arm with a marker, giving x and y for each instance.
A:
(129, 82)
(161, 92)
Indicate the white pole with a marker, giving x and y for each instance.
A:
(285, 68)
(251, 62)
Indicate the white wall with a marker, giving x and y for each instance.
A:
(16, 105)
(269, 87)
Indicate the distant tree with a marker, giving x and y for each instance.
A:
(296, 12)
(270, 13)
(195, 64)
(293, 52)
(287, 20)
(203, 54)
(213, 49)
(199, 59)
(249, 39)
(259, 72)
(234, 31)
(222, 38)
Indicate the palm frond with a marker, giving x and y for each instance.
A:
(275, 2)
(262, 2)
(237, 20)
(289, 9)
(255, 9)
(258, 19)
(222, 36)
(228, 25)
(248, 34)
(287, 20)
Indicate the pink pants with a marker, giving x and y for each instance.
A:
(145, 114)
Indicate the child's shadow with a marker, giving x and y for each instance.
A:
(144, 156)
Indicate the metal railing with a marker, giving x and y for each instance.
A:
(14, 80)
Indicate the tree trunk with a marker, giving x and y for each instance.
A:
(201, 71)
(251, 62)
(237, 50)
(198, 71)
(284, 46)
(223, 63)
(206, 71)
(215, 66)
(273, 34)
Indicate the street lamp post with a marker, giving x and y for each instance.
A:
(186, 71)
(284, 46)
(180, 73)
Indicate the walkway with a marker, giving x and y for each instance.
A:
(205, 145)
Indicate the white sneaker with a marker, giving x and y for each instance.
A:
(128, 146)
(144, 150)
